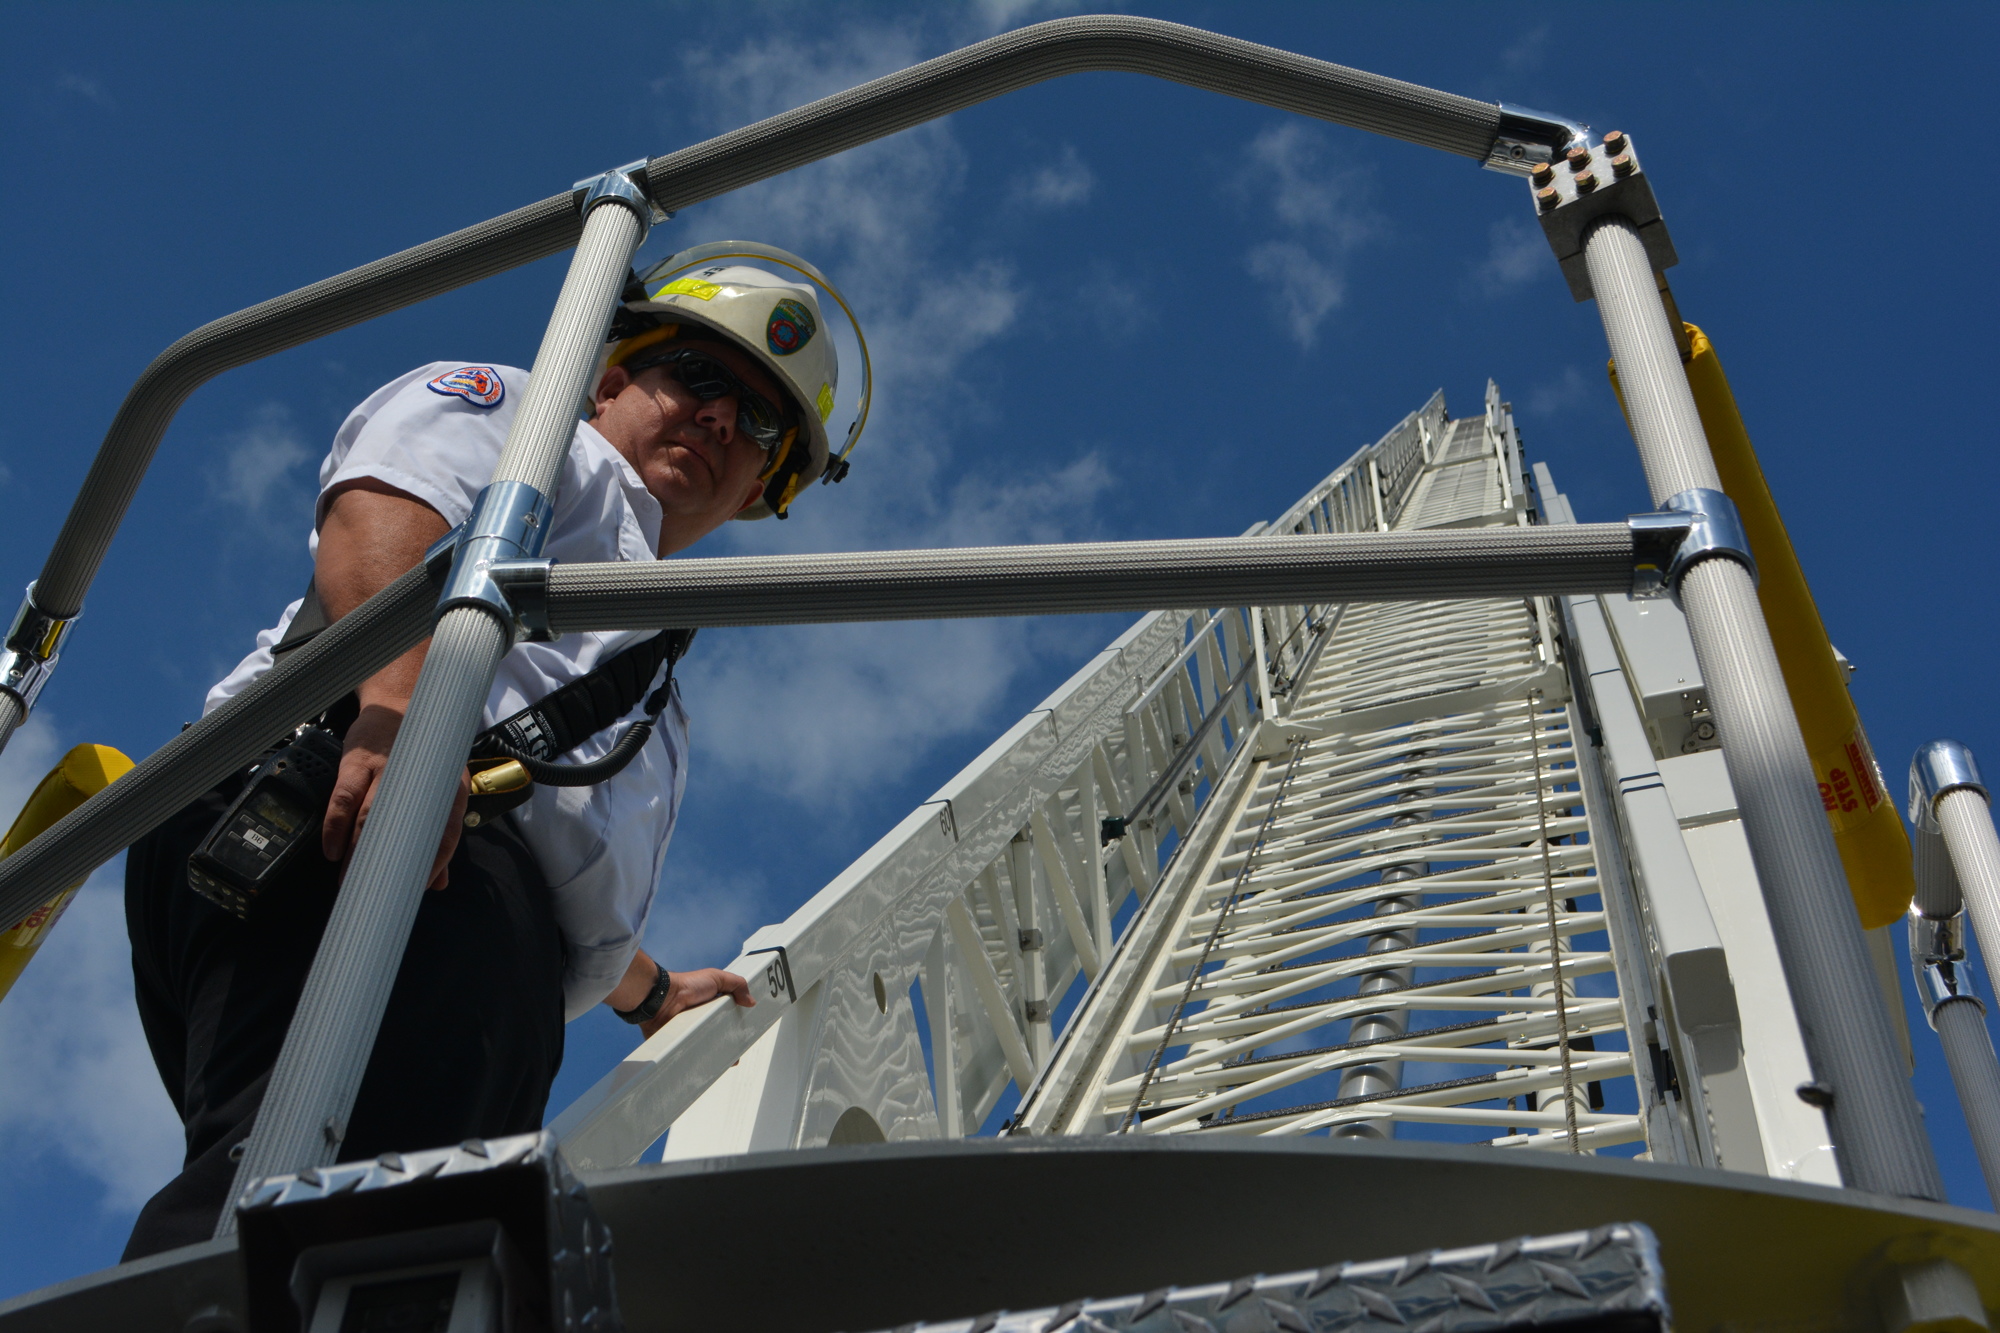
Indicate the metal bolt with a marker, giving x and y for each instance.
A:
(1578, 159)
(1623, 165)
(1542, 174)
(1546, 198)
(1615, 142)
(1586, 182)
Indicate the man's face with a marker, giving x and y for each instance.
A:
(689, 453)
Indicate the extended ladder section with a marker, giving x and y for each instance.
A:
(1368, 870)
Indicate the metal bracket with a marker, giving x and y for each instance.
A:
(1529, 138)
(1690, 527)
(1591, 183)
(525, 585)
(1936, 768)
(508, 524)
(33, 644)
(1938, 963)
(624, 185)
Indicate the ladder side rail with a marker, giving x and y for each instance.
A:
(915, 872)
(1670, 1130)
(603, 1125)
(1031, 840)
(1706, 1040)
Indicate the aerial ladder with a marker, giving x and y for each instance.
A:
(1432, 914)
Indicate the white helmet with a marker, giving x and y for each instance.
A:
(774, 320)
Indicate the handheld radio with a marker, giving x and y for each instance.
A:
(278, 811)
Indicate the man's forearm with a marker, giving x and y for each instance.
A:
(636, 984)
(371, 536)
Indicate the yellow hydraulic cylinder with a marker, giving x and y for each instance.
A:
(1874, 848)
(83, 772)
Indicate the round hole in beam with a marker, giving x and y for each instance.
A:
(855, 1126)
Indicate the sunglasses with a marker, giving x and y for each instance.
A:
(708, 379)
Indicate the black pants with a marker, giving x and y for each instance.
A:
(470, 1043)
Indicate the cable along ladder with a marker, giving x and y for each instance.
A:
(1249, 797)
(1393, 920)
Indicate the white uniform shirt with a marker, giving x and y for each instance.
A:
(437, 433)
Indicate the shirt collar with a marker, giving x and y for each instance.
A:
(644, 506)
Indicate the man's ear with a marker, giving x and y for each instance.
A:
(756, 494)
(610, 386)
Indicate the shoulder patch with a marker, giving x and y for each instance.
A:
(479, 385)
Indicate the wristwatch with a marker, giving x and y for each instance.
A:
(648, 1009)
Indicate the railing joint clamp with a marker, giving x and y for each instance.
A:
(1936, 768)
(33, 644)
(1528, 138)
(496, 560)
(623, 185)
(1691, 527)
(1938, 963)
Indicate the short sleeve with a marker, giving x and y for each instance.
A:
(431, 438)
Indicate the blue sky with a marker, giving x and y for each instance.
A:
(1104, 307)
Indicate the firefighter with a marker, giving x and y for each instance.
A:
(710, 406)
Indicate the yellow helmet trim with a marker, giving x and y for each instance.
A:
(779, 455)
(624, 350)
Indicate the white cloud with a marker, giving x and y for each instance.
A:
(1570, 389)
(882, 697)
(874, 699)
(1304, 288)
(1529, 53)
(90, 89)
(1063, 182)
(258, 471)
(704, 913)
(1113, 300)
(1518, 254)
(1001, 15)
(1324, 208)
(80, 1083)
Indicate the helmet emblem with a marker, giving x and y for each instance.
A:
(791, 327)
(479, 385)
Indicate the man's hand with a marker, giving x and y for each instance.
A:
(691, 990)
(361, 765)
(686, 990)
(371, 535)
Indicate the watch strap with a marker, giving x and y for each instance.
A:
(648, 1009)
